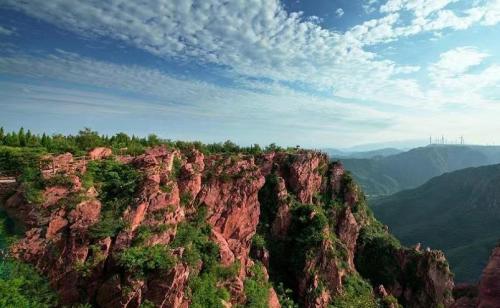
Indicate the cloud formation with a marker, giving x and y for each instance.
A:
(5, 31)
(255, 40)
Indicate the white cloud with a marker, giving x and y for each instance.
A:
(5, 31)
(457, 61)
(369, 6)
(339, 12)
(458, 78)
(421, 8)
(258, 38)
(255, 38)
(273, 107)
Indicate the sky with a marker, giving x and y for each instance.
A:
(315, 73)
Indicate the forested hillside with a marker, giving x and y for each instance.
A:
(387, 175)
(457, 212)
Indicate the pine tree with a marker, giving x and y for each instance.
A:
(2, 136)
(22, 137)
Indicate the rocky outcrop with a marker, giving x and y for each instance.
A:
(274, 194)
(100, 153)
(432, 283)
(489, 287)
(231, 198)
(486, 294)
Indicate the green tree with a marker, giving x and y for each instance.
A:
(88, 139)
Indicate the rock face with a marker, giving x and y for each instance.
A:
(307, 211)
(486, 294)
(100, 153)
(489, 287)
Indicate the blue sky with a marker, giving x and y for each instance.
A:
(318, 73)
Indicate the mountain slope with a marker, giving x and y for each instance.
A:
(362, 154)
(458, 212)
(387, 175)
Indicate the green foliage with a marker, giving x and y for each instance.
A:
(95, 257)
(115, 181)
(257, 288)
(58, 180)
(356, 293)
(285, 296)
(377, 258)
(20, 284)
(176, 168)
(109, 224)
(186, 198)
(117, 185)
(166, 188)
(147, 304)
(194, 237)
(24, 163)
(205, 293)
(87, 139)
(143, 260)
(258, 241)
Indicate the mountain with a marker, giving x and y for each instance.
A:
(381, 176)
(458, 212)
(364, 154)
(180, 226)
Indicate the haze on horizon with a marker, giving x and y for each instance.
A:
(316, 73)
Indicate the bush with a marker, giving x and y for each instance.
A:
(257, 287)
(356, 293)
(258, 241)
(22, 286)
(117, 184)
(110, 224)
(206, 293)
(376, 257)
(144, 260)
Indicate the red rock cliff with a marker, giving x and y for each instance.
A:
(276, 195)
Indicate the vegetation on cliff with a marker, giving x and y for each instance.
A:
(20, 284)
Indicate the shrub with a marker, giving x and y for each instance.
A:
(206, 293)
(376, 255)
(59, 180)
(22, 286)
(258, 241)
(143, 260)
(285, 296)
(194, 236)
(109, 224)
(117, 185)
(257, 287)
(356, 293)
(176, 168)
(186, 198)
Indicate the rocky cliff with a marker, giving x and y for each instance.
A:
(487, 293)
(177, 228)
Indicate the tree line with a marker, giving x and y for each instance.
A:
(121, 143)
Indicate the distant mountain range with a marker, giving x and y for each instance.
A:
(362, 154)
(381, 174)
(457, 212)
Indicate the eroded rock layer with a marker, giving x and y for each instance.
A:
(174, 228)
